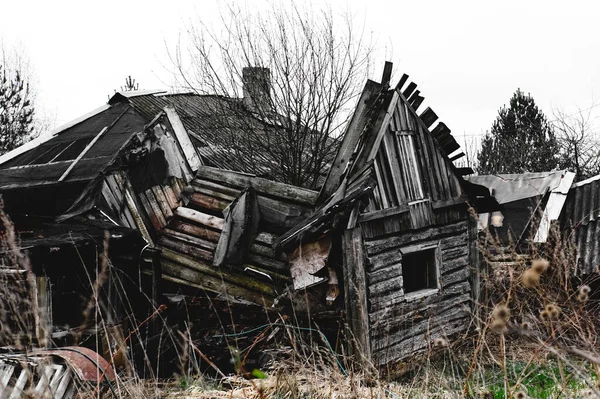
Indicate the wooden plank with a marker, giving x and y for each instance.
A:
(215, 190)
(183, 139)
(176, 187)
(416, 102)
(409, 89)
(110, 199)
(389, 149)
(200, 218)
(382, 244)
(82, 153)
(263, 186)
(154, 212)
(401, 82)
(457, 156)
(386, 178)
(382, 196)
(133, 206)
(190, 278)
(202, 270)
(414, 97)
(352, 134)
(194, 230)
(190, 239)
(170, 196)
(118, 192)
(428, 117)
(185, 247)
(206, 202)
(356, 292)
(383, 128)
(162, 202)
(426, 162)
(383, 213)
(387, 74)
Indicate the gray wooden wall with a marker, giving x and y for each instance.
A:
(400, 325)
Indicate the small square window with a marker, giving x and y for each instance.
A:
(420, 270)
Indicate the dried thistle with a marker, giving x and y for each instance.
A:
(539, 265)
(585, 289)
(520, 395)
(544, 315)
(498, 326)
(501, 312)
(440, 343)
(526, 325)
(553, 311)
(530, 278)
(582, 297)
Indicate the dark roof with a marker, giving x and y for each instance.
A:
(47, 162)
(225, 133)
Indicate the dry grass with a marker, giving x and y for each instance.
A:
(536, 336)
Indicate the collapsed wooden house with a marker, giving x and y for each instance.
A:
(387, 241)
(394, 220)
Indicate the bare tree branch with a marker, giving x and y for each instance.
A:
(316, 64)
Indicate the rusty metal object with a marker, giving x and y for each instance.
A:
(87, 364)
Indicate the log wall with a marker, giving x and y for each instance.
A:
(402, 324)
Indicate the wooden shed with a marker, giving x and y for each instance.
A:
(395, 222)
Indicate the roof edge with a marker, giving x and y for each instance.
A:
(586, 181)
(46, 137)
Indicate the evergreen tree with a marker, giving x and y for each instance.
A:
(521, 140)
(16, 110)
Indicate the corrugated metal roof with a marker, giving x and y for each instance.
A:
(514, 187)
(226, 134)
(580, 215)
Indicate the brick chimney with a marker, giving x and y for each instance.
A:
(257, 88)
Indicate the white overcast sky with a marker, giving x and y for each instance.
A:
(467, 57)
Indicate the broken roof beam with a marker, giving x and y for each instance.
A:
(183, 138)
(415, 100)
(265, 187)
(387, 74)
(351, 137)
(428, 117)
(457, 156)
(409, 89)
(401, 82)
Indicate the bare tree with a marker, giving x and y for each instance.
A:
(579, 143)
(308, 67)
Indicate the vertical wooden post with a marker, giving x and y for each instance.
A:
(355, 285)
(44, 311)
(475, 264)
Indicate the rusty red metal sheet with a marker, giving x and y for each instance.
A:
(87, 364)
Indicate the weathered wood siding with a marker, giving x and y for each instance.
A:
(401, 324)
(410, 165)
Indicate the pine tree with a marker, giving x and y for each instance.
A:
(16, 110)
(521, 140)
